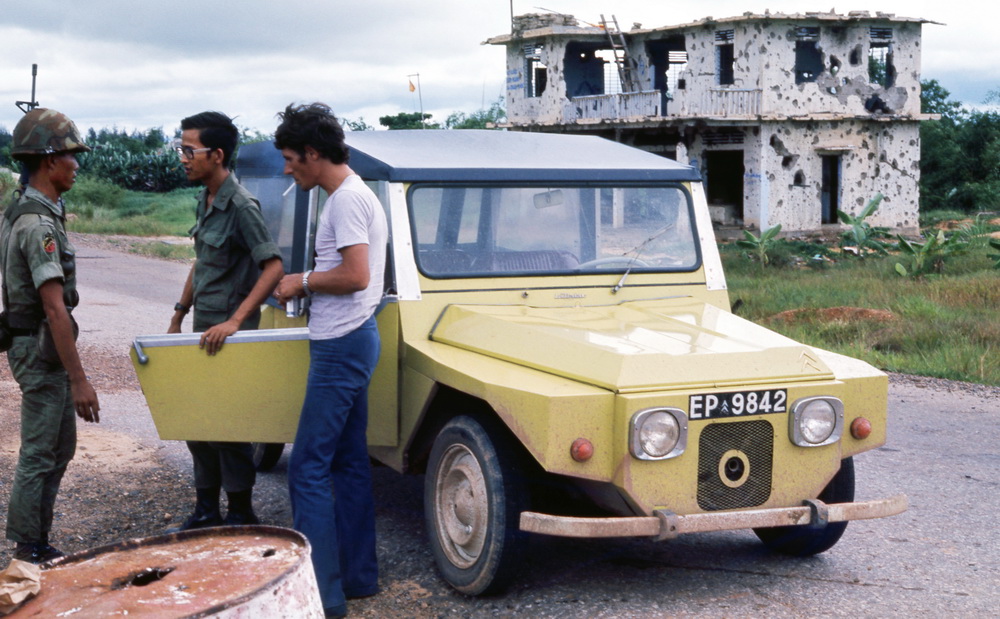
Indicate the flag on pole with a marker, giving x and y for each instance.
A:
(412, 87)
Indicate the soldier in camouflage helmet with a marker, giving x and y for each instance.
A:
(39, 293)
(45, 132)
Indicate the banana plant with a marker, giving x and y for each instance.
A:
(760, 245)
(863, 235)
(995, 244)
(929, 255)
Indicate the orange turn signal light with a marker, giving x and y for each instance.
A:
(861, 428)
(581, 450)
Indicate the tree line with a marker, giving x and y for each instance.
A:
(960, 153)
(143, 161)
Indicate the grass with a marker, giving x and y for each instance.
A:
(944, 325)
(102, 208)
(165, 251)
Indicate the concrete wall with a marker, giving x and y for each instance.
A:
(783, 174)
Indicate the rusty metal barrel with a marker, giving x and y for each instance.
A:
(251, 571)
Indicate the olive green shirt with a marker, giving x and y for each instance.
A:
(231, 243)
(34, 250)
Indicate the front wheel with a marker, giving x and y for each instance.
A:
(473, 498)
(803, 541)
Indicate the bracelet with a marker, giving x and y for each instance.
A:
(184, 309)
(305, 283)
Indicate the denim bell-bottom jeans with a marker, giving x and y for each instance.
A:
(329, 474)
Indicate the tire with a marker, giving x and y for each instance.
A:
(473, 498)
(803, 541)
(266, 455)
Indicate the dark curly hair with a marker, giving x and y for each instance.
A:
(216, 130)
(311, 125)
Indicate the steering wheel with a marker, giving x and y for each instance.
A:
(622, 260)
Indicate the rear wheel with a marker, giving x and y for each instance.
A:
(266, 455)
(804, 541)
(474, 493)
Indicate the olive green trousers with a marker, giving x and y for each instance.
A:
(48, 441)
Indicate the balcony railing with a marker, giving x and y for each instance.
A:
(725, 102)
(622, 105)
(713, 102)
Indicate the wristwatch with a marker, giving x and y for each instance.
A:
(184, 309)
(305, 283)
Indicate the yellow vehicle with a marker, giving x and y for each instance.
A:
(558, 356)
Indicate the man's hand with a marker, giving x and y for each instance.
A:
(175, 324)
(213, 339)
(290, 287)
(85, 401)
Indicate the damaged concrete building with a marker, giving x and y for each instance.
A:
(789, 117)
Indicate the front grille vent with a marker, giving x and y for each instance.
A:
(746, 444)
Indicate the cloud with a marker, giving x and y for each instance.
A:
(143, 64)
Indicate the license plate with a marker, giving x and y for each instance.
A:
(737, 404)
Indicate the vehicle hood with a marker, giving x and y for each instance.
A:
(676, 343)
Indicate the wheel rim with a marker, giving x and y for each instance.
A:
(462, 506)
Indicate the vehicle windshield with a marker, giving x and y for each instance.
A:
(519, 230)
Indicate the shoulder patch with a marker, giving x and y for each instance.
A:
(49, 243)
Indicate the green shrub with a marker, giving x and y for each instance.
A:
(158, 171)
(94, 192)
(7, 186)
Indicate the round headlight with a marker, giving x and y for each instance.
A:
(658, 434)
(817, 421)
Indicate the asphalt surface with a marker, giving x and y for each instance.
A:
(941, 558)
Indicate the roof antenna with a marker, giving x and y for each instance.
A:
(27, 106)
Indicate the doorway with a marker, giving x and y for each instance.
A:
(724, 186)
(830, 189)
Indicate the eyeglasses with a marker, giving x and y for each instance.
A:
(186, 152)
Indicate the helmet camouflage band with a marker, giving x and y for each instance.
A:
(44, 132)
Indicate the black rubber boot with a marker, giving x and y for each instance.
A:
(240, 509)
(37, 552)
(206, 511)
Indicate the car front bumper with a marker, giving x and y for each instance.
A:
(668, 525)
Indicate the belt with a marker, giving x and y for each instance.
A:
(14, 331)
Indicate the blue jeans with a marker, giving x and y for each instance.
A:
(330, 459)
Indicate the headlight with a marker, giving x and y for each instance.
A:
(816, 421)
(658, 434)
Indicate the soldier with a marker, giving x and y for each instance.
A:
(236, 268)
(39, 292)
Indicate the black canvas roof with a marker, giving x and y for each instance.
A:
(484, 155)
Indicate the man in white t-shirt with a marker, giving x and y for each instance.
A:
(345, 287)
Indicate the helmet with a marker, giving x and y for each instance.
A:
(44, 132)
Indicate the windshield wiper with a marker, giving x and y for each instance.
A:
(638, 249)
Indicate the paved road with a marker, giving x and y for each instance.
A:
(940, 558)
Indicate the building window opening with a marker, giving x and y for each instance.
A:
(583, 70)
(725, 57)
(881, 70)
(808, 57)
(677, 62)
(536, 73)
(612, 79)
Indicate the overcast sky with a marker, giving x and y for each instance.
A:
(138, 64)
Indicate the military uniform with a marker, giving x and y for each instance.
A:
(230, 241)
(34, 249)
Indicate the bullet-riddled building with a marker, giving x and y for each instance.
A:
(788, 117)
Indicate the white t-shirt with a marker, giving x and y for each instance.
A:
(352, 215)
